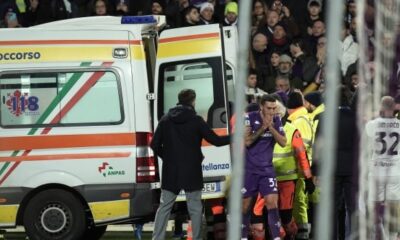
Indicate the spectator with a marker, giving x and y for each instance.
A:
(219, 8)
(231, 14)
(259, 15)
(282, 84)
(351, 11)
(305, 66)
(192, 16)
(298, 8)
(122, 8)
(157, 7)
(273, 68)
(349, 49)
(170, 10)
(285, 69)
(207, 13)
(314, 9)
(54, 10)
(280, 40)
(272, 20)
(317, 30)
(18, 15)
(10, 19)
(278, 7)
(285, 17)
(351, 80)
(177, 141)
(259, 54)
(354, 81)
(172, 13)
(61, 9)
(100, 8)
(251, 88)
(140, 7)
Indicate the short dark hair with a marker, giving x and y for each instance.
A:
(318, 20)
(298, 42)
(295, 100)
(282, 77)
(186, 96)
(188, 9)
(267, 98)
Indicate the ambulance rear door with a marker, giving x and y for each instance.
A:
(193, 57)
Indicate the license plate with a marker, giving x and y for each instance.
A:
(212, 187)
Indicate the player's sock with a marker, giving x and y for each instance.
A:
(274, 222)
(245, 225)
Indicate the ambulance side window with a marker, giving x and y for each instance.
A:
(60, 99)
(24, 97)
(101, 104)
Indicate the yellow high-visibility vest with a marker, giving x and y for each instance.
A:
(284, 160)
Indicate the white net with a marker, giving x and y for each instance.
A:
(378, 208)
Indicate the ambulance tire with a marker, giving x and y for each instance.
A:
(55, 214)
(94, 233)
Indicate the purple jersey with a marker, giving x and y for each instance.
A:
(259, 154)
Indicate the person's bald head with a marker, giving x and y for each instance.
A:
(260, 42)
(387, 106)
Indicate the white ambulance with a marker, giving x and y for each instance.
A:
(79, 100)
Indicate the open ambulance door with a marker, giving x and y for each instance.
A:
(193, 57)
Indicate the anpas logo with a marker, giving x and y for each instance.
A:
(213, 167)
(107, 170)
(19, 103)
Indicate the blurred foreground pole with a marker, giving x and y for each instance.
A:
(235, 196)
(329, 130)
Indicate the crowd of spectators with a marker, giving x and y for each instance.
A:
(288, 37)
(288, 40)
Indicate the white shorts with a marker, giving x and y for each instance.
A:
(384, 189)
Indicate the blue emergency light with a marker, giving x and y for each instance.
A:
(138, 19)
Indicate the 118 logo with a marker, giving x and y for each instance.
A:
(18, 103)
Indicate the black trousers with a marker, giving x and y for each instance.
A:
(344, 205)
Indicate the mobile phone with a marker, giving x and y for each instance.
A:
(11, 16)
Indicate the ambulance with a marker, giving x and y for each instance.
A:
(79, 101)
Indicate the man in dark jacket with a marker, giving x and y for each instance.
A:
(345, 182)
(177, 141)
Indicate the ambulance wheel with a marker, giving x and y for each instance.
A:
(54, 214)
(94, 233)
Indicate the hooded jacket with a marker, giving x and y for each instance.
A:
(177, 141)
